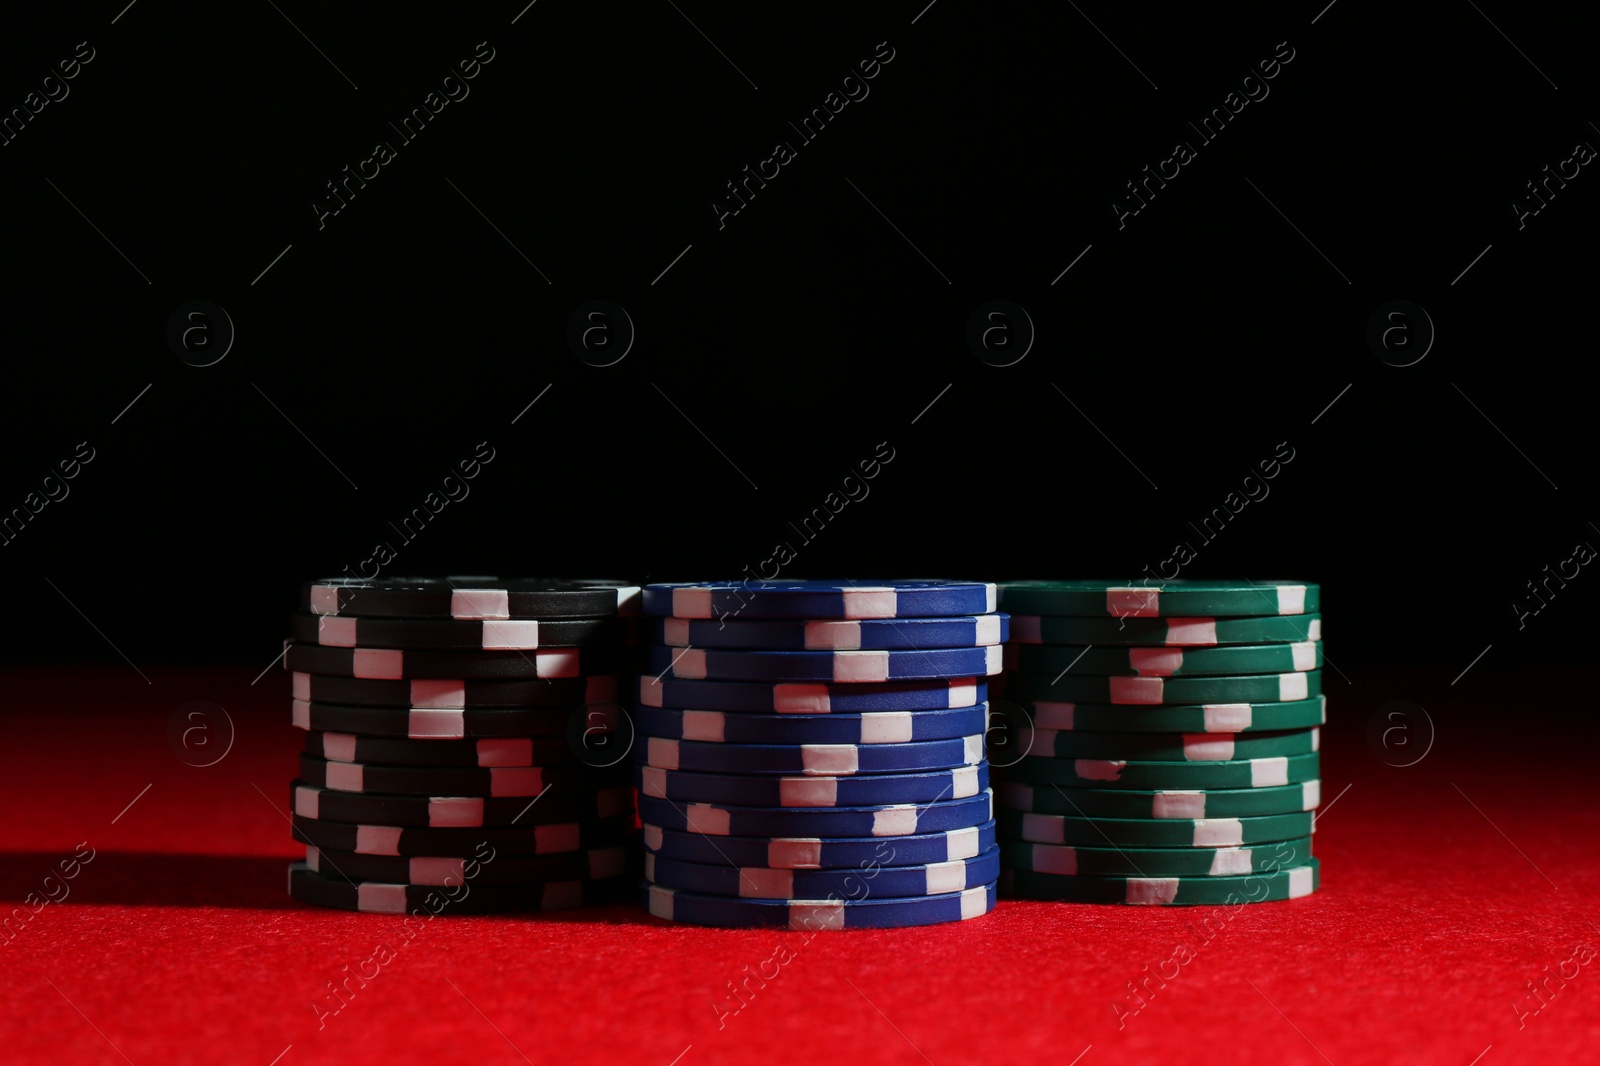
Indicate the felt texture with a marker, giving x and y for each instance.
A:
(1447, 887)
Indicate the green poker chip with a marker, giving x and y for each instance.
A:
(1067, 860)
(1119, 773)
(1156, 632)
(1179, 598)
(1195, 718)
(1151, 691)
(1288, 883)
(1182, 804)
(1168, 747)
(1164, 661)
(1152, 832)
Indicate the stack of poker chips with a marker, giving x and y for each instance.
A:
(1166, 741)
(462, 744)
(811, 754)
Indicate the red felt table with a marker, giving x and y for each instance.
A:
(1448, 887)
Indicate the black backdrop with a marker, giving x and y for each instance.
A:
(777, 348)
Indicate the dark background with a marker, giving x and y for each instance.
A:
(779, 351)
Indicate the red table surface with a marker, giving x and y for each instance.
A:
(1447, 888)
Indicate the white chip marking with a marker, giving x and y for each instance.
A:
(1311, 796)
(964, 782)
(306, 802)
(758, 883)
(1155, 662)
(377, 840)
(1314, 630)
(975, 901)
(830, 758)
(1232, 862)
(653, 837)
(1266, 773)
(1179, 803)
(344, 776)
(1218, 833)
(1140, 690)
(1293, 687)
(302, 685)
(510, 634)
(662, 752)
(431, 723)
(691, 603)
(896, 821)
(437, 870)
(1192, 632)
(962, 843)
(855, 666)
(986, 630)
(374, 898)
(340, 747)
(817, 914)
(660, 901)
(324, 599)
(963, 693)
(1291, 599)
(704, 818)
(795, 853)
(887, 727)
(480, 603)
(1227, 717)
(653, 781)
(337, 632)
(1133, 602)
(1152, 890)
(1305, 654)
(300, 714)
(1208, 747)
(704, 725)
(1301, 882)
(1099, 769)
(945, 877)
(439, 694)
(801, 699)
(870, 602)
(675, 632)
(833, 636)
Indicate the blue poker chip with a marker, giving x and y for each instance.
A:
(848, 667)
(892, 820)
(885, 634)
(876, 881)
(877, 727)
(778, 790)
(820, 599)
(811, 915)
(763, 697)
(819, 760)
(815, 853)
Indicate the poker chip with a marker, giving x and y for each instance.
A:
(811, 754)
(765, 882)
(349, 631)
(1162, 741)
(895, 820)
(816, 600)
(820, 853)
(463, 744)
(1159, 803)
(446, 780)
(395, 664)
(1168, 747)
(1161, 599)
(815, 915)
(443, 723)
(466, 841)
(1284, 883)
(812, 698)
(1165, 661)
(811, 759)
(1247, 688)
(1195, 718)
(886, 634)
(1067, 860)
(424, 901)
(1151, 832)
(485, 867)
(876, 727)
(1123, 773)
(484, 751)
(469, 598)
(360, 808)
(455, 693)
(772, 790)
(1183, 632)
